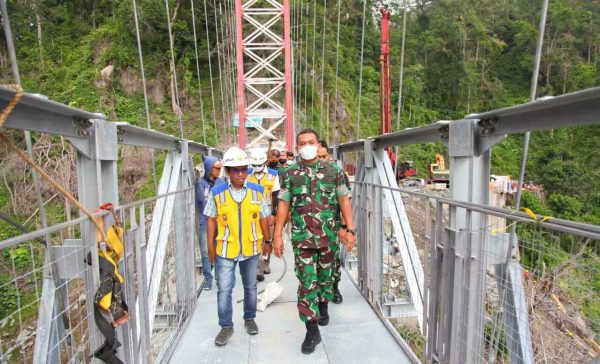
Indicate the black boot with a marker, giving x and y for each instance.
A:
(337, 296)
(313, 337)
(324, 315)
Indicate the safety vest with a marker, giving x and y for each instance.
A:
(267, 181)
(238, 223)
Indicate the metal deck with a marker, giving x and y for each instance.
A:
(354, 334)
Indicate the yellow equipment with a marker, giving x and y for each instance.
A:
(438, 171)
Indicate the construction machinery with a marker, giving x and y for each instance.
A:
(438, 172)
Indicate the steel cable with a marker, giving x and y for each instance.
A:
(362, 54)
(178, 112)
(323, 66)
(210, 73)
(337, 61)
(401, 80)
(198, 72)
(144, 86)
(312, 70)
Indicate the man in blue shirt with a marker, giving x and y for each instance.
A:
(212, 170)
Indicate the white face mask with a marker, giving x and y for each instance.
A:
(309, 152)
(258, 169)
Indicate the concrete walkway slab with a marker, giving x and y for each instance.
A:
(354, 335)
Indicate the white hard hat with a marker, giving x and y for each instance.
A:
(258, 157)
(235, 157)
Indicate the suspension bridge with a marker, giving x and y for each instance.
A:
(434, 278)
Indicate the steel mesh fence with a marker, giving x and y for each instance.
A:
(47, 295)
(540, 302)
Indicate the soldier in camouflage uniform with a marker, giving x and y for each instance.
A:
(314, 191)
(323, 153)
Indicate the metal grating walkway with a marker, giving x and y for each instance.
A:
(354, 335)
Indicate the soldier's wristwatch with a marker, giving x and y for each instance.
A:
(351, 231)
(268, 242)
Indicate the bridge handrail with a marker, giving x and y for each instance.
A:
(542, 114)
(64, 225)
(552, 223)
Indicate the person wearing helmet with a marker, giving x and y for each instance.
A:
(268, 178)
(208, 176)
(238, 211)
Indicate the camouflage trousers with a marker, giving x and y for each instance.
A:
(314, 270)
(337, 266)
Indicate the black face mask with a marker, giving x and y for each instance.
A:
(272, 164)
(282, 161)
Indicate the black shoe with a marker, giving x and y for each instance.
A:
(313, 337)
(337, 296)
(251, 327)
(224, 336)
(324, 315)
(260, 277)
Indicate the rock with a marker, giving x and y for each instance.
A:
(156, 92)
(107, 72)
(129, 80)
(105, 76)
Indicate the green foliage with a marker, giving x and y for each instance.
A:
(8, 297)
(566, 207)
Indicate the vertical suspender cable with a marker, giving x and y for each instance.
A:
(401, 79)
(229, 67)
(360, 79)
(224, 78)
(197, 71)
(337, 62)
(36, 179)
(172, 47)
(210, 75)
(226, 63)
(15, 70)
(322, 66)
(143, 73)
(301, 56)
(306, 67)
(312, 70)
(532, 95)
(218, 46)
(496, 333)
(292, 38)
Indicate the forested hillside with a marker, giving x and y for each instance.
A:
(461, 57)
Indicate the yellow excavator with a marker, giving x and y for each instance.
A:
(438, 172)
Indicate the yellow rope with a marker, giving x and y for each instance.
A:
(11, 104)
(5, 113)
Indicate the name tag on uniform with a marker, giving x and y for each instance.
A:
(255, 202)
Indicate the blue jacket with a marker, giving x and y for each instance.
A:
(203, 187)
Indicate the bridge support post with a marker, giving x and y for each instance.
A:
(469, 181)
(96, 183)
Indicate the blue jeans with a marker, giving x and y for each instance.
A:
(225, 275)
(206, 266)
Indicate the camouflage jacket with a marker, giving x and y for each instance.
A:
(313, 192)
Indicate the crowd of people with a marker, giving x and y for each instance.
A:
(262, 201)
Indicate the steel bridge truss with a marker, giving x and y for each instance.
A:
(264, 68)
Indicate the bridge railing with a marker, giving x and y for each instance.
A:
(47, 295)
(48, 311)
(548, 288)
(475, 299)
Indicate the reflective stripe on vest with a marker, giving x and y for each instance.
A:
(229, 213)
